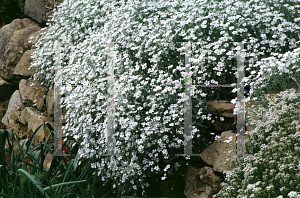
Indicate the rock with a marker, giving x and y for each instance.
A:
(21, 70)
(15, 99)
(13, 43)
(18, 113)
(216, 154)
(35, 9)
(47, 161)
(34, 121)
(201, 182)
(18, 129)
(31, 93)
(223, 108)
(3, 109)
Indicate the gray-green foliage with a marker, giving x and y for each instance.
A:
(149, 70)
(277, 73)
(271, 165)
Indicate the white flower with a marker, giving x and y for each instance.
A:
(233, 101)
(165, 152)
(229, 139)
(203, 24)
(156, 168)
(294, 194)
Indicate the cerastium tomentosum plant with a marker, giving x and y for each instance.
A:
(149, 70)
(270, 167)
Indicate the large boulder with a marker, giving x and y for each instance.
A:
(13, 44)
(219, 153)
(40, 10)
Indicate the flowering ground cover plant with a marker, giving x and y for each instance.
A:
(277, 73)
(271, 166)
(149, 71)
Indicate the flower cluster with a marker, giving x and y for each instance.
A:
(275, 75)
(271, 166)
(150, 39)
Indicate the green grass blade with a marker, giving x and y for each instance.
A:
(33, 135)
(62, 184)
(3, 184)
(5, 195)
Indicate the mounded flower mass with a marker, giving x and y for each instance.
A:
(149, 52)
